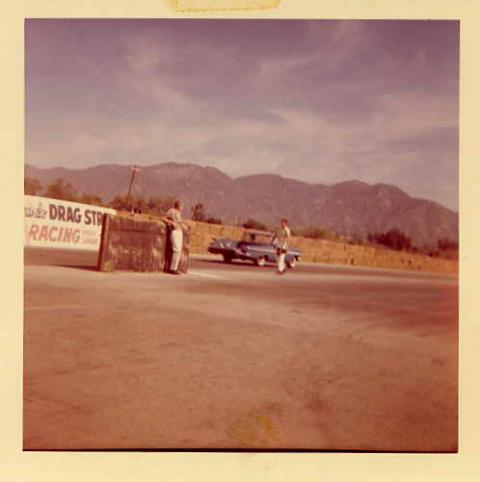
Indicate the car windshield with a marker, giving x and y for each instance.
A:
(257, 237)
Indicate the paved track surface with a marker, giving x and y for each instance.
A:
(234, 356)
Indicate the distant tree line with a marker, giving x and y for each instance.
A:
(316, 232)
(393, 239)
(199, 214)
(154, 205)
(446, 248)
(251, 223)
(60, 189)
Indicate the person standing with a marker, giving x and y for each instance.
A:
(174, 220)
(281, 240)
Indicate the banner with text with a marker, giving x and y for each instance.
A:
(54, 223)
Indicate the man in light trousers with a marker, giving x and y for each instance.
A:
(281, 240)
(174, 220)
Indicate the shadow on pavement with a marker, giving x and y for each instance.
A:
(236, 263)
(77, 266)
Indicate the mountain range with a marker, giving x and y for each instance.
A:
(349, 207)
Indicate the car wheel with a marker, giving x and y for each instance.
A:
(291, 263)
(227, 258)
(260, 261)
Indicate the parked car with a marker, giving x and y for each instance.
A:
(255, 246)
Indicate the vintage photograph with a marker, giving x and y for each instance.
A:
(241, 235)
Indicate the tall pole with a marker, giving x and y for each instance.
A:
(133, 172)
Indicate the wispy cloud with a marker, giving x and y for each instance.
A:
(321, 101)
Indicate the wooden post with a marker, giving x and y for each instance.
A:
(133, 173)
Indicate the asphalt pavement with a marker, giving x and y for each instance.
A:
(238, 357)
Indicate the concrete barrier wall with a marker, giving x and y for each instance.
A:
(201, 234)
(354, 255)
(142, 244)
(136, 244)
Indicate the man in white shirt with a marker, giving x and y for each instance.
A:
(281, 240)
(174, 219)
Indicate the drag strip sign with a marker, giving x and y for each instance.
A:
(53, 223)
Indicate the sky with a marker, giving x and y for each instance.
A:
(315, 100)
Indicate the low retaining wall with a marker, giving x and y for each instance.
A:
(354, 255)
(331, 252)
(135, 244)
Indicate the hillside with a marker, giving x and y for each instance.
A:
(351, 207)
